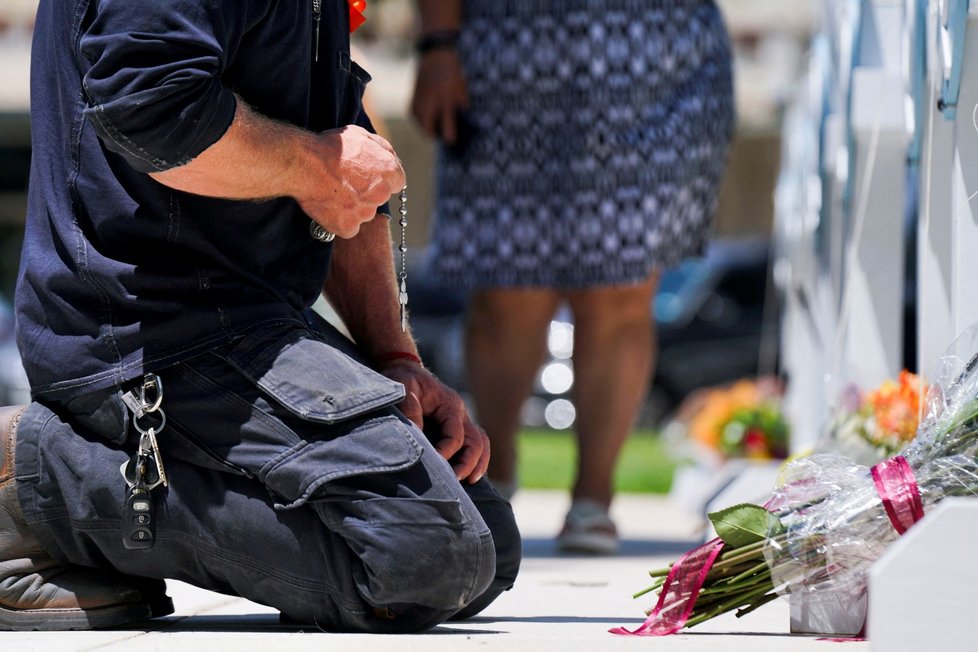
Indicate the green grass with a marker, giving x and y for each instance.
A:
(547, 459)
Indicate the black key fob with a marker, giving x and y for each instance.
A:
(139, 527)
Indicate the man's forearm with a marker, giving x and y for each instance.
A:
(338, 177)
(362, 288)
(257, 158)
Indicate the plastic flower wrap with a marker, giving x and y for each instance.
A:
(872, 426)
(743, 420)
(839, 517)
(830, 518)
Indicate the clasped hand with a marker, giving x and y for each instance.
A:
(353, 173)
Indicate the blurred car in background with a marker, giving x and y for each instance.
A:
(718, 321)
(715, 319)
(14, 389)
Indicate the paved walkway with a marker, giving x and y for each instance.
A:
(560, 602)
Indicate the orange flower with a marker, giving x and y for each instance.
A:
(735, 420)
(896, 405)
(706, 426)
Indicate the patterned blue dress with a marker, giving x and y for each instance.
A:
(600, 135)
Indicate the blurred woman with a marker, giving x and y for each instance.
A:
(582, 146)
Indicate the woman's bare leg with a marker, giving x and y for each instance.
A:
(506, 340)
(614, 350)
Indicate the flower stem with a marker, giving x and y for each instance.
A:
(746, 598)
(760, 603)
(729, 588)
(757, 569)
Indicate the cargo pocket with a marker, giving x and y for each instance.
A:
(378, 445)
(322, 385)
(310, 378)
(415, 551)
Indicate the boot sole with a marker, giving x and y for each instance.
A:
(161, 606)
(70, 619)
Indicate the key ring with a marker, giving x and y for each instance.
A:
(155, 383)
(155, 428)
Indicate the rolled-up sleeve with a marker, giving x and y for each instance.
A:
(153, 82)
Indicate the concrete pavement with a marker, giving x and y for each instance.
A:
(560, 602)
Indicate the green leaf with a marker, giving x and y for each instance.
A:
(745, 524)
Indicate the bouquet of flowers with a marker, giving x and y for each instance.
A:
(872, 426)
(742, 420)
(830, 518)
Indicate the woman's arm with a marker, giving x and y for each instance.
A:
(439, 91)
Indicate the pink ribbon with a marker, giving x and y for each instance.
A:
(897, 487)
(679, 592)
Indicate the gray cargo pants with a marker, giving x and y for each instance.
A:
(293, 482)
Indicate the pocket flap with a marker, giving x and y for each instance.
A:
(381, 445)
(311, 378)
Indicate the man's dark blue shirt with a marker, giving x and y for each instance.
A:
(120, 274)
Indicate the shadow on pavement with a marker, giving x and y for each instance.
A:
(547, 547)
(265, 624)
(255, 623)
(611, 621)
(269, 624)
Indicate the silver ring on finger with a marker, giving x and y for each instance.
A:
(319, 233)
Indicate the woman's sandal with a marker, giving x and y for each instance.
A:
(588, 529)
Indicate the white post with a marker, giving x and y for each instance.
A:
(935, 329)
(948, 232)
(844, 321)
(964, 188)
(923, 590)
(870, 342)
(809, 214)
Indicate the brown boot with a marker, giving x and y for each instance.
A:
(39, 593)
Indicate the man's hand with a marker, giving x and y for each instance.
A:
(350, 173)
(441, 415)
